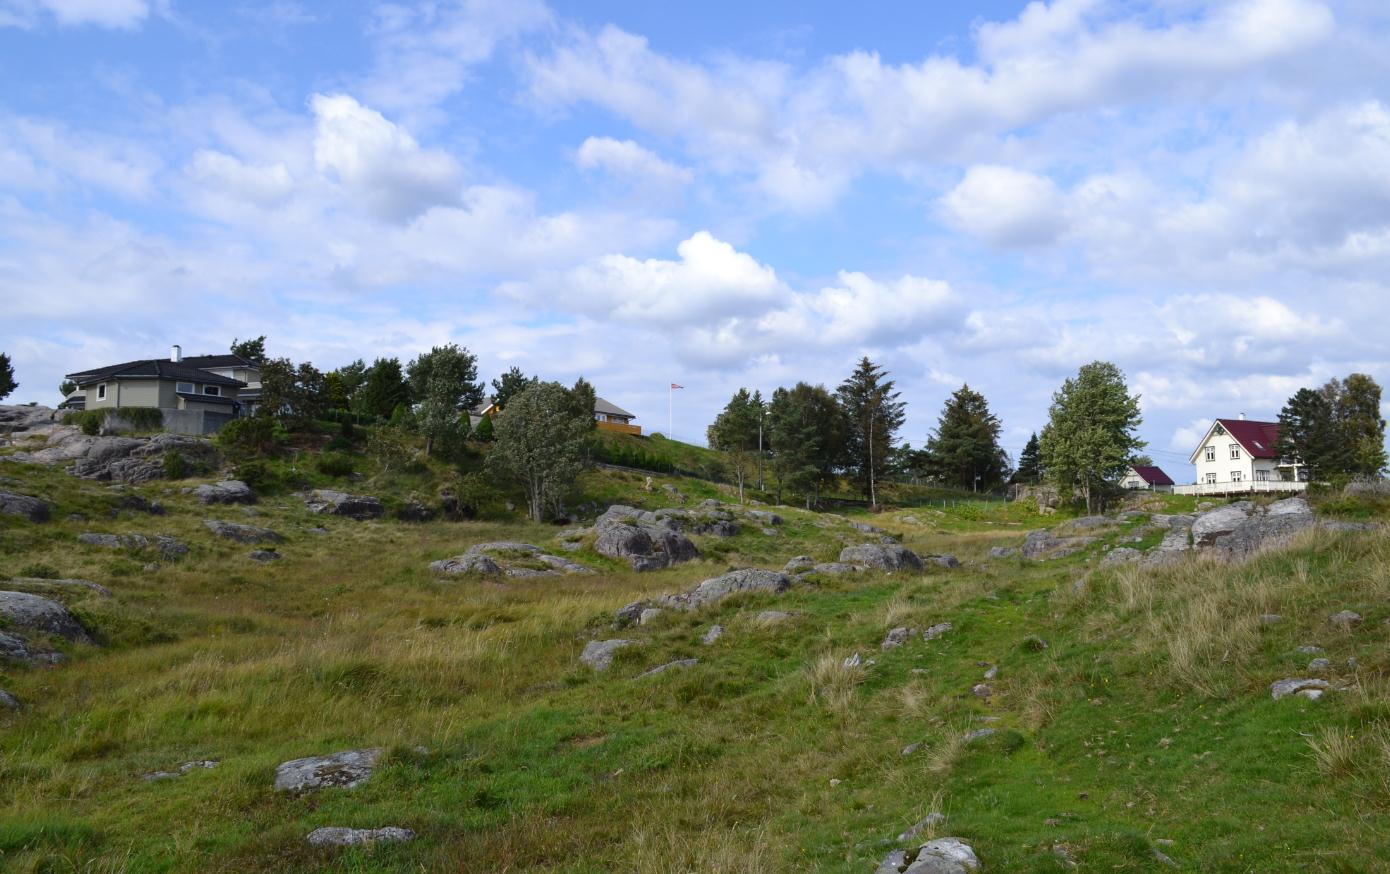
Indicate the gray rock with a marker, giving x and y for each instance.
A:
(930, 821)
(981, 690)
(1309, 649)
(466, 564)
(1344, 619)
(33, 584)
(638, 536)
(503, 546)
(896, 637)
(677, 664)
(1043, 544)
(946, 560)
(1294, 685)
(334, 503)
(649, 615)
(347, 769)
(337, 836)
(853, 661)
(833, 569)
(944, 856)
(1002, 552)
(598, 654)
(229, 491)
(979, 734)
(8, 701)
(798, 564)
(1121, 555)
(715, 632)
(564, 565)
(1270, 618)
(629, 614)
(186, 767)
(265, 555)
(894, 863)
(1086, 523)
(23, 506)
(772, 617)
(135, 460)
(936, 631)
(764, 517)
(732, 583)
(15, 649)
(883, 557)
(113, 541)
(242, 533)
(717, 528)
(30, 613)
(414, 511)
(1319, 665)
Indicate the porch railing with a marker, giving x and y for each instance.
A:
(1240, 488)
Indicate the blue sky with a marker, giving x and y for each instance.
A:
(720, 195)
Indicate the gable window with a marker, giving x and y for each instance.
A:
(212, 390)
(101, 392)
(184, 388)
(1235, 452)
(1211, 453)
(1236, 476)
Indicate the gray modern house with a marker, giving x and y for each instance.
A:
(198, 394)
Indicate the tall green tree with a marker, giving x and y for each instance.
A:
(539, 445)
(353, 376)
(450, 372)
(1360, 426)
(251, 350)
(292, 394)
(335, 396)
(509, 385)
(807, 436)
(383, 389)
(1030, 468)
(1092, 431)
(964, 449)
(7, 383)
(66, 387)
(735, 433)
(1307, 433)
(873, 414)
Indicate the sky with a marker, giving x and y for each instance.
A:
(716, 195)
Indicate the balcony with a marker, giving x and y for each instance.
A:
(1243, 487)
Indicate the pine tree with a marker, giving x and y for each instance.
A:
(873, 414)
(806, 434)
(1360, 427)
(1029, 463)
(964, 449)
(509, 385)
(735, 433)
(251, 350)
(7, 383)
(383, 390)
(1307, 433)
(1091, 431)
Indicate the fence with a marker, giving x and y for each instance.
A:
(1242, 487)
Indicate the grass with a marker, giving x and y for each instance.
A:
(1130, 709)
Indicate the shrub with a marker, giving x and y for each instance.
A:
(258, 475)
(174, 465)
(250, 438)
(335, 464)
(40, 571)
(143, 418)
(90, 421)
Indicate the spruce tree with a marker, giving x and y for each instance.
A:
(1029, 462)
(964, 449)
(1307, 433)
(873, 414)
(735, 433)
(806, 435)
(383, 390)
(7, 383)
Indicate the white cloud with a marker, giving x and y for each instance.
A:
(379, 162)
(41, 154)
(627, 160)
(118, 14)
(262, 185)
(1005, 206)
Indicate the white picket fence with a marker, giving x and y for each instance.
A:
(1240, 488)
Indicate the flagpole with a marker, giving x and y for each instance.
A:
(670, 407)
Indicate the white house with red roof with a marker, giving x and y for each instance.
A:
(1238, 455)
(1147, 477)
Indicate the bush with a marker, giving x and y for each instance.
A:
(335, 464)
(255, 437)
(90, 421)
(174, 465)
(40, 571)
(258, 475)
(143, 418)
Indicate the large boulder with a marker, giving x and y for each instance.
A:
(734, 582)
(137, 460)
(468, 563)
(940, 856)
(1241, 529)
(1213, 526)
(333, 503)
(642, 538)
(512, 558)
(24, 612)
(882, 556)
(1044, 544)
(242, 533)
(37, 585)
(347, 769)
(23, 506)
(229, 491)
(598, 654)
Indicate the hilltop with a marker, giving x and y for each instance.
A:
(1091, 697)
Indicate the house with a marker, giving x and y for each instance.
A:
(1238, 455)
(198, 394)
(1146, 477)
(611, 417)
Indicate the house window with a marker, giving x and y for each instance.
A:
(1236, 476)
(101, 392)
(1211, 453)
(1211, 479)
(1235, 452)
(1262, 476)
(184, 387)
(212, 390)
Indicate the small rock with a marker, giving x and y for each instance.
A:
(678, 663)
(8, 701)
(944, 560)
(944, 856)
(772, 617)
(715, 632)
(1344, 619)
(598, 654)
(1292, 685)
(242, 533)
(1002, 551)
(265, 555)
(337, 836)
(230, 491)
(897, 637)
(1270, 618)
(980, 690)
(911, 748)
(992, 672)
(649, 615)
(1318, 666)
(853, 661)
(799, 564)
(347, 769)
(979, 734)
(936, 631)
(1309, 649)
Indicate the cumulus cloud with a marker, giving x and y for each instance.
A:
(1005, 206)
(629, 161)
(379, 162)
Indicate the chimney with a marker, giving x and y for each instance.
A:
(176, 355)
(1242, 415)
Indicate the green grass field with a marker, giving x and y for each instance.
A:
(1132, 712)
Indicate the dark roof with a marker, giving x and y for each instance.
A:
(1258, 438)
(1152, 475)
(205, 399)
(227, 360)
(602, 406)
(153, 368)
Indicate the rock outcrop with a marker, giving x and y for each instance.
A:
(333, 503)
(29, 621)
(230, 491)
(242, 533)
(23, 506)
(732, 583)
(347, 769)
(509, 558)
(598, 654)
(890, 557)
(940, 856)
(168, 547)
(338, 836)
(647, 541)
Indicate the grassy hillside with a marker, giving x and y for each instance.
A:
(1131, 709)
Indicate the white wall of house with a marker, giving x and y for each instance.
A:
(1221, 459)
(1133, 480)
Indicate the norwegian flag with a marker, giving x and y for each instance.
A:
(673, 385)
